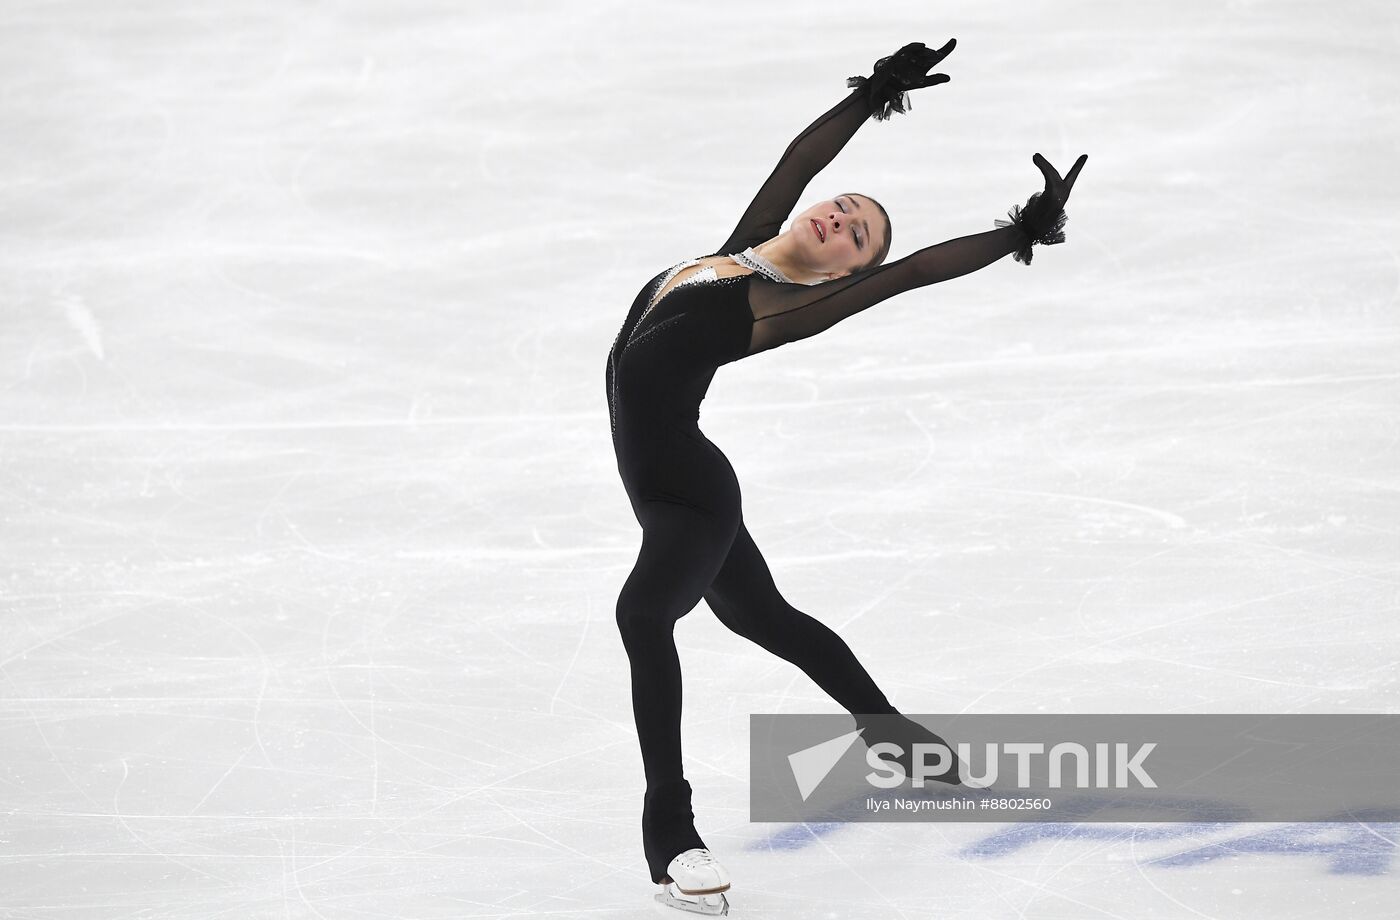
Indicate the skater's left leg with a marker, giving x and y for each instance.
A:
(744, 598)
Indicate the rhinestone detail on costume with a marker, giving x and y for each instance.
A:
(752, 260)
(704, 275)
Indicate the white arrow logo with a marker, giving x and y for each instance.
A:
(811, 765)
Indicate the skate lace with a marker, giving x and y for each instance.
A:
(697, 858)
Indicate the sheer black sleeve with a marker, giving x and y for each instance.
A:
(784, 313)
(808, 154)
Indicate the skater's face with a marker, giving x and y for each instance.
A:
(843, 234)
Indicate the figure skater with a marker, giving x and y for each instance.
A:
(759, 290)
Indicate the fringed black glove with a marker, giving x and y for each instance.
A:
(887, 88)
(1043, 218)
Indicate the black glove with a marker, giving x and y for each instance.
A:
(894, 76)
(1043, 218)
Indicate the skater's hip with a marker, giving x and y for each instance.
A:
(675, 459)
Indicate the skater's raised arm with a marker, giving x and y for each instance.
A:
(787, 312)
(812, 150)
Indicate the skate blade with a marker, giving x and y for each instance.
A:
(714, 905)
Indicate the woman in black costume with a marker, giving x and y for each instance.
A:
(759, 290)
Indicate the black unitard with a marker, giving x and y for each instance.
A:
(682, 488)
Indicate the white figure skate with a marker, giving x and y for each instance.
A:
(695, 881)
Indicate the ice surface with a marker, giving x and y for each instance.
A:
(312, 531)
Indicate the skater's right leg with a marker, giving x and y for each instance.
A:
(682, 550)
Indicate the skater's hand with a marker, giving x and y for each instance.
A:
(1043, 218)
(1057, 189)
(887, 88)
(908, 67)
